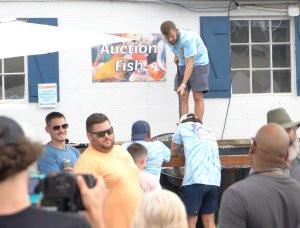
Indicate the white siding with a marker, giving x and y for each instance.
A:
(124, 103)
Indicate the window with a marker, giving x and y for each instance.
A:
(12, 78)
(260, 56)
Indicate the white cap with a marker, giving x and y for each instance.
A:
(187, 116)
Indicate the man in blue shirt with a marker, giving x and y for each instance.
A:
(202, 177)
(157, 151)
(57, 155)
(193, 65)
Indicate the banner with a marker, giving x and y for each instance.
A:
(143, 59)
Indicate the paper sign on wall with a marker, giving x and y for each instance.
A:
(47, 95)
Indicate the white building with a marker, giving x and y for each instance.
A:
(261, 36)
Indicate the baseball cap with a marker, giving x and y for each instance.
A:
(139, 130)
(187, 117)
(281, 117)
(10, 132)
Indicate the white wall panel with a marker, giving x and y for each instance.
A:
(126, 102)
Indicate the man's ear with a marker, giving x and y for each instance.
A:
(47, 129)
(149, 135)
(252, 149)
(287, 156)
(144, 162)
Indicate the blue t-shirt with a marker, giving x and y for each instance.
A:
(190, 44)
(202, 162)
(52, 159)
(157, 153)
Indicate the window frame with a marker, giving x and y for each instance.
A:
(25, 99)
(292, 57)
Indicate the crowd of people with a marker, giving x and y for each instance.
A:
(128, 194)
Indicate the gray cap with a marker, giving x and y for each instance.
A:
(281, 117)
(10, 132)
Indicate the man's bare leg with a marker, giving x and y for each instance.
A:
(192, 221)
(184, 103)
(208, 220)
(199, 104)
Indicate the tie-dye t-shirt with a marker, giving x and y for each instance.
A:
(202, 162)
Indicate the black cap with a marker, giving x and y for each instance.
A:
(10, 132)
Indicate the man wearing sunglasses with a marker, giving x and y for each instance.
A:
(57, 155)
(117, 168)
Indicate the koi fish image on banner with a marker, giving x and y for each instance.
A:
(142, 59)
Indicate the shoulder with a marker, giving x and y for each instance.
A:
(119, 148)
(160, 145)
(49, 152)
(71, 148)
(188, 36)
(121, 151)
(48, 148)
(236, 193)
(126, 145)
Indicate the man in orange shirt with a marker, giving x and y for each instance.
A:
(117, 168)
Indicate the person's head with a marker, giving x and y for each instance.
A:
(100, 133)
(139, 154)
(56, 126)
(140, 130)
(170, 32)
(161, 208)
(17, 152)
(270, 147)
(281, 117)
(190, 117)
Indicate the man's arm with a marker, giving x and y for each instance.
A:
(187, 74)
(175, 149)
(48, 165)
(93, 200)
(176, 59)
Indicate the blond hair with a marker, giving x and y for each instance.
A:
(160, 209)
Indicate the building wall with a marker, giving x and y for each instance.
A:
(125, 102)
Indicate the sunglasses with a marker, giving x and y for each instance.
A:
(101, 134)
(57, 127)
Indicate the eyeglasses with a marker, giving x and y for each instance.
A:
(101, 134)
(57, 127)
(294, 129)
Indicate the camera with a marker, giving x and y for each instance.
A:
(61, 191)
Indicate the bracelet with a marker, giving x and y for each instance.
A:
(184, 86)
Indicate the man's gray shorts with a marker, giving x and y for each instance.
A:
(198, 81)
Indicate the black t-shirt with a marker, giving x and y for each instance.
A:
(32, 217)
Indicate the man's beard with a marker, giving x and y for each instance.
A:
(293, 150)
(105, 148)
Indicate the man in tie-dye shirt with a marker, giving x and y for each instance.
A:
(202, 177)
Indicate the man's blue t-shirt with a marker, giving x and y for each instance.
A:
(53, 159)
(190, 44)
(157, 154)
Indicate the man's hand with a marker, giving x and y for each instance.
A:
(176, 59)
(68, 169)
(181, 89)
(93, 200)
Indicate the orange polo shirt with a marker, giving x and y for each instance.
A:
(121, 177)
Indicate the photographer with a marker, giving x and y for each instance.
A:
(16, 154)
